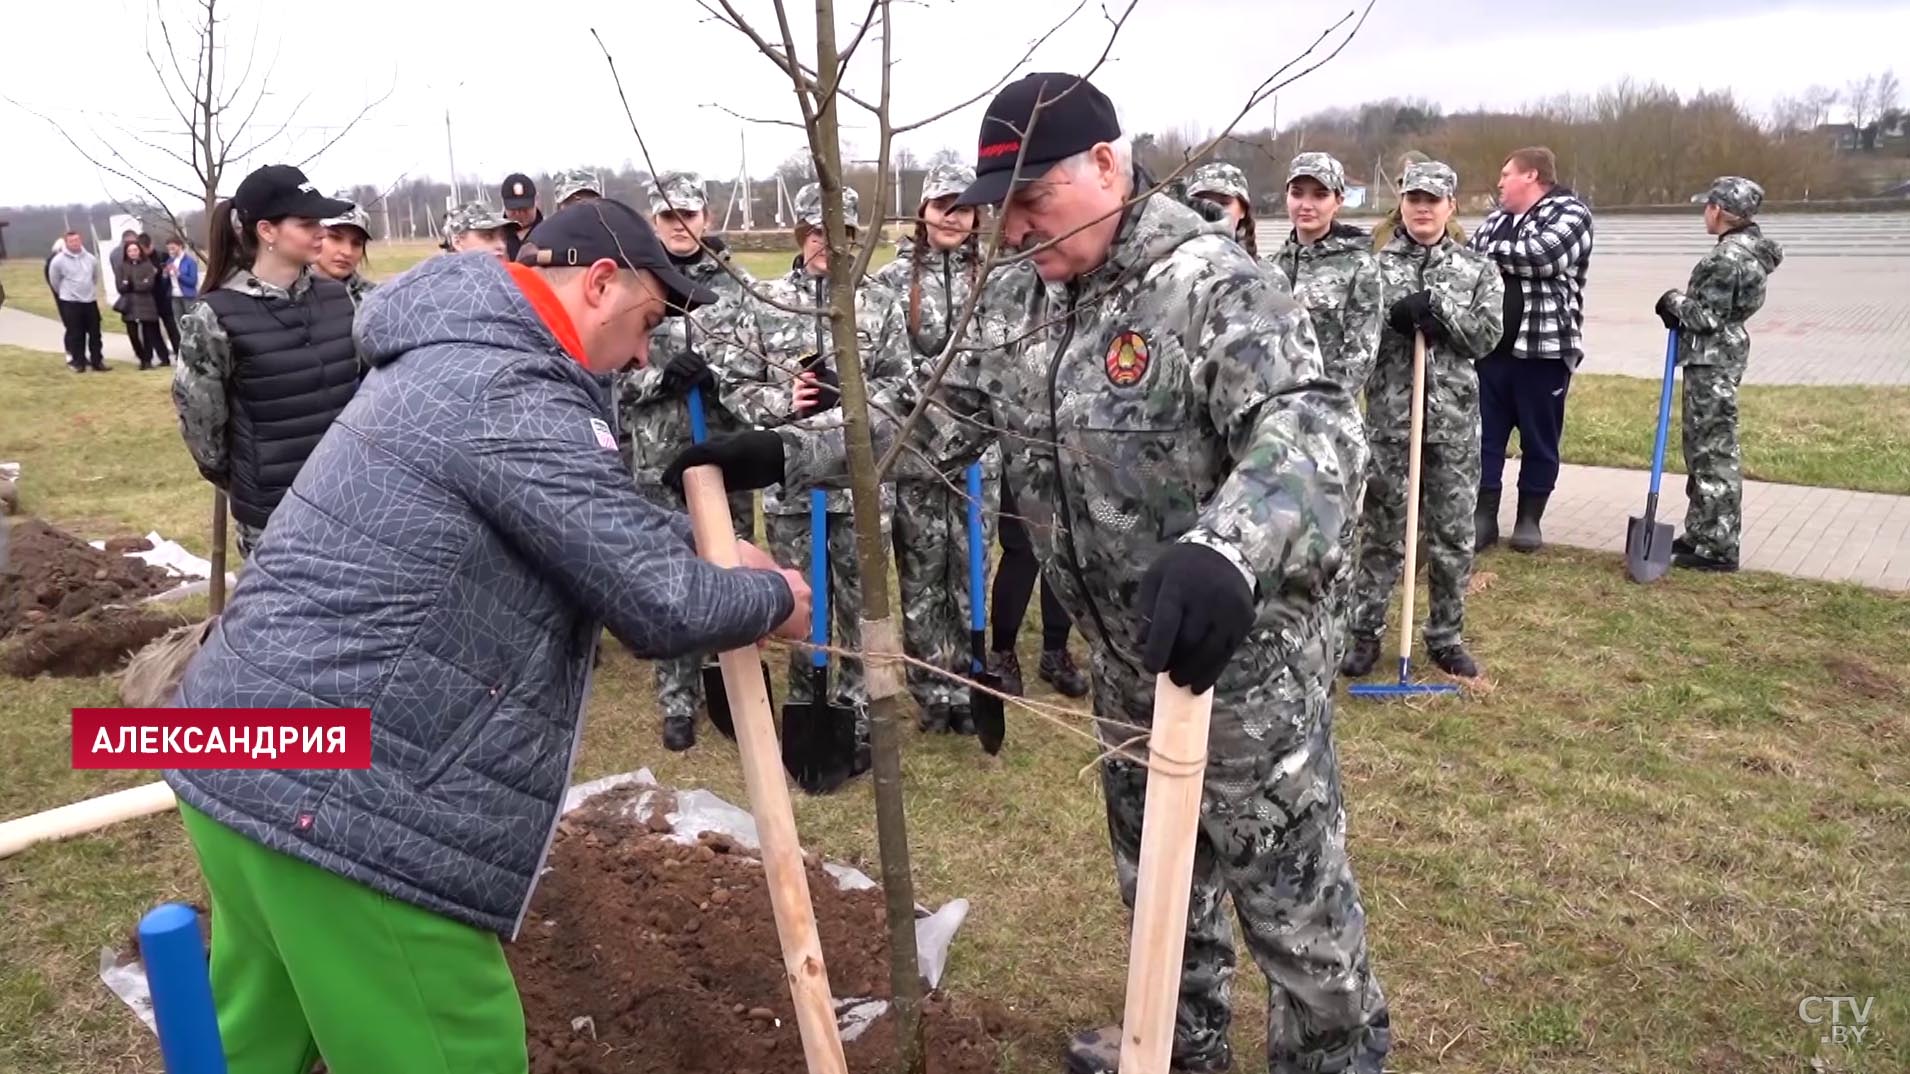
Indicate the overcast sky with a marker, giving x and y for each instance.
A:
(526, 88)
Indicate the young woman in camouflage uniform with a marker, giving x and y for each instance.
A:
(1454, 297)
(1226, 186)
(1726, 290)
(932, 277)
(653, 408)
(342, 249)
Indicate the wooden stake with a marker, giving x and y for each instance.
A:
(769, 798)
(1412, 502)
(215, 584)
(1177, 752)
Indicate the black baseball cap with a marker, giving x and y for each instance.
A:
(280, 190)
(518, 191)
(1075, 117)
(584, 232)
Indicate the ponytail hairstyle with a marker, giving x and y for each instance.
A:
(1245, 232)
(971, 244)
(231, 244)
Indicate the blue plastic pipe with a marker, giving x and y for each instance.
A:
(699, 432)
(977, 580)
(819, 574)
(1664, 419)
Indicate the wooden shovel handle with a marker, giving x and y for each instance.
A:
(1177, 747)
(769, 798)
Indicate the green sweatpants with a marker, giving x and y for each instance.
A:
(307, 963)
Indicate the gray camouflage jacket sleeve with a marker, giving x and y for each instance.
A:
(1361, 320)
(1722, 290)
(1292, 437)
(1474, 320)
(752, 384)
(199, 381)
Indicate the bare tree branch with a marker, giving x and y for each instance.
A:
(350, 124)
(754, 119)
(1003, 80)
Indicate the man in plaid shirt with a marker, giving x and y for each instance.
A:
(1540, 236)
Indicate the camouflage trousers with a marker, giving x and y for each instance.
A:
(1272, 834)
(1448, 492)
(680, 679)
(1339, 593)
(931, 567)
(247, 537)
(1714, 483)
(789, 544)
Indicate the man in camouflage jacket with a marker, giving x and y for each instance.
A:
(653, 407)
(765, 346)
(1709, 315)
(1164, 417)
(1453, 296)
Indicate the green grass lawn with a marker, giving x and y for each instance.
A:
(1673, 812)
(1849, 438)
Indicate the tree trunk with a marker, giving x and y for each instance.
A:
(879, 633)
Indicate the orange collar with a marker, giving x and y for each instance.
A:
(544, 301)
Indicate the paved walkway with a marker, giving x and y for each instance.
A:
(18, 328)
(1827, 534)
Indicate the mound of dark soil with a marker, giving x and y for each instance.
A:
(51, 575)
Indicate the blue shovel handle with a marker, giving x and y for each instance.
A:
(977, 573)
(699, 432)
(1664, 411)
(819, 575)
(183, 1013)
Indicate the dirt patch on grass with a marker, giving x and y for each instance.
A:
(1863, 680)
(66, 607)
(642, 956)
(52, 575)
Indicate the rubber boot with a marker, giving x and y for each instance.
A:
(1485, 520)
(1059, 671)
(1455, 660)
(933, 718)
(1361, 658)
(1525, 532)
(679, 733)
(1098, 1051)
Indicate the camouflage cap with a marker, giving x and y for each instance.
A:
(809, 205)
(946, 179)
(1330, 173)
(1218, 177)
(473, 216)
(353, 216)
(1430, 177)
(1736, 195)
(678, 191)
(570, 183)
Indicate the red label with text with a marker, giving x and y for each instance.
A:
(221, 738)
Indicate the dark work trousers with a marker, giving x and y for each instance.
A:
(1527, 394)
(168, 315)
(149, 342)
(1015, 579)
(82, 332)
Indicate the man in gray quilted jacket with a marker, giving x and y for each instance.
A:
(448, 558)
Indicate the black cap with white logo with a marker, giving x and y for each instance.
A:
(1075, 117)
(518, 191)
(280, 190)
(599, 229)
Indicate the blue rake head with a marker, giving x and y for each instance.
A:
(1405, 687)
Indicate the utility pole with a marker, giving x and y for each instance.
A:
(749, 214)
(452, 156)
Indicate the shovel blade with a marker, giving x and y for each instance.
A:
(717, 697)
(1647, 550)
(991, 718)
(819, 739)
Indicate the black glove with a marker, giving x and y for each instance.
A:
(751, 460)
(1414, 312)
(828, 389)
(1196, 609)
(1664, 312)
(688, 370)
